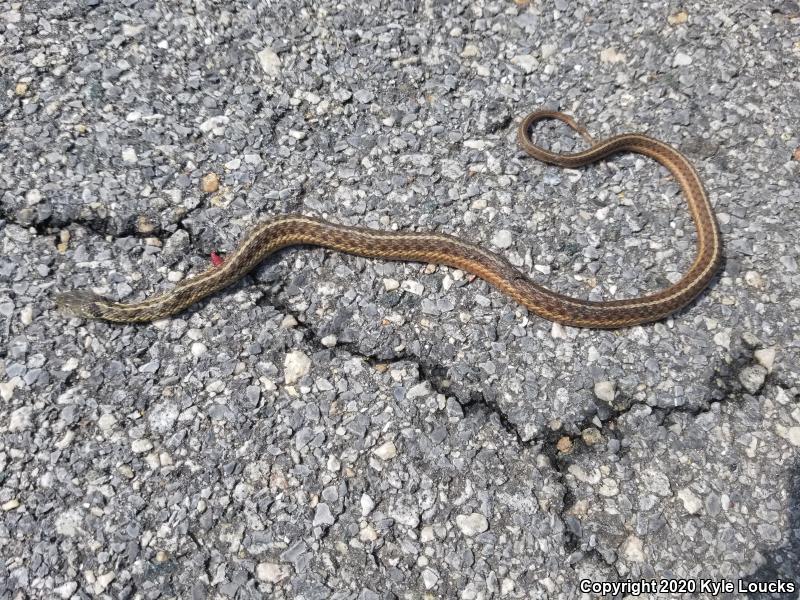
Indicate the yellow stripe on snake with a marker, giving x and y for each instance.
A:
(290, 230)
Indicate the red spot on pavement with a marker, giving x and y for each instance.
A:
(216, 259)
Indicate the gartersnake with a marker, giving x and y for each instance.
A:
(289, 230)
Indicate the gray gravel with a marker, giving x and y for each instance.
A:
(336, 427)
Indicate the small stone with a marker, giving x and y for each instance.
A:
(608, 487)
(766, 358)
(681, 60)
(386, 451)
(723, 339)
(368, 534)
(33, 197)
(7, 308)
(66, 590)
(677, 18)
(413, 287)
(253, 393)
(209, 183)
(548, 50)
(129, 155)
(322, 515)
(21, 88)
(610, 55)
(754, 279)
(472, 524)
(429, 578)
(66, 440)
(789, 262)
(476, 144)
(470, 51)
(215, 385)
(10, 505)
(198, 349)
(106, 422)
(270, 62)
(605, 390)
(129, 30)
(427, 534)
(367, 504)
(342, 95)
(502, 239)
(752, 378)
(557, 332)
(215, 125)
(295, 366)
(12, 16)
(793, 436)
(632, 549)
(68, 523)
(144, 225)
(162, 416)
(526, 62)
(363, 96)
(288, 322)
(141, 445)
(329, 341)
(103, 581)
(796, 154)
(271, 572)
(406, 515)
(390, 284)
(591, 436)
(479, 204)
(20, 419)
(690, 501)
(564, 445)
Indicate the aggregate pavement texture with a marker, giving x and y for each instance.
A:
(337, 427)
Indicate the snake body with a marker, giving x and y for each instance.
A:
(289, 230)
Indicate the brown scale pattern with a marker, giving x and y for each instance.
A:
(291, 230)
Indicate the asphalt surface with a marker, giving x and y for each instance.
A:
(337, 427)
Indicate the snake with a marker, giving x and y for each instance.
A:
(282, 231)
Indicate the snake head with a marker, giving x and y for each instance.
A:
(80, 303)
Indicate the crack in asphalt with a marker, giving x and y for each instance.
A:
(724, 386)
